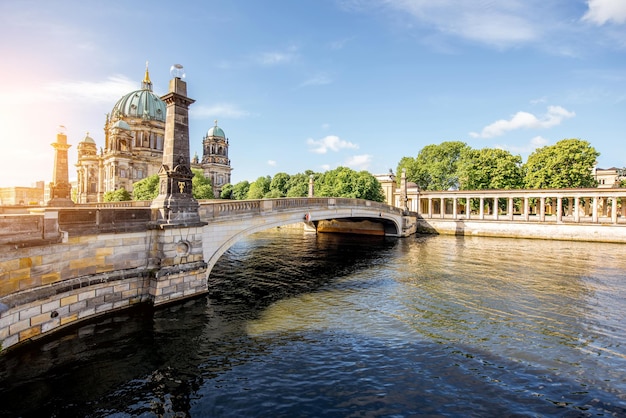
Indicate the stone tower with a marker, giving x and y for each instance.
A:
(60, 188)
(175, 204)
(215, 163)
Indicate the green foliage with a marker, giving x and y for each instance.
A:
(118, 195)
(345, 182)
(147, 188)
(201, 185)
(489, 168)
(259, 188)
(240, 190)
(435, 167)
(567, 164)
(227, 191)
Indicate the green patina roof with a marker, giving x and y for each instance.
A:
(216, 131)
(140, 104)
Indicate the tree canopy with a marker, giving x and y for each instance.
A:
(451, 165)
(118, 195)
(148, 188)
(568, 163)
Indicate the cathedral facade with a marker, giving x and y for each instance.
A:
(133, 148)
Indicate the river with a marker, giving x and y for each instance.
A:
(299, 325)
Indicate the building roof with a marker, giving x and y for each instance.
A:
(216, 131)
(88, 140)
(141, 103)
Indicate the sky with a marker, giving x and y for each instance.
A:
(317, 84)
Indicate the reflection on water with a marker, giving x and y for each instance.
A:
(305, 325)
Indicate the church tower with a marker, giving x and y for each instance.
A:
(215, 163)
(88, 168)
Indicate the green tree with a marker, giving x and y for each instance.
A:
(146, 188)
(278, 185)
(259, 188)
(345, 182)
(489, 168)
(566, 164)
(227, 191)
(298, 184)
(118, 195)
(436, 166)
(201, 185)
(240, 190)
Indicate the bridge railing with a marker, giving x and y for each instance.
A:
(216, 209)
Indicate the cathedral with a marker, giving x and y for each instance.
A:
(133, 148)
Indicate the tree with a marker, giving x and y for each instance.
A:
(118, 195)
(278, 185)
(489, 168)
(298, 184)
(345, 182)
(435, 167)
(566, 164)
(240, 190)
(227, 191)
(259, 188)
(201, 185)
(146, 188)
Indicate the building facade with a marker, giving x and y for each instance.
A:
(133, 150)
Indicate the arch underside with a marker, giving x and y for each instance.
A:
(390, 228)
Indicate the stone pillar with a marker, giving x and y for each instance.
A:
(481, 211)
(594, 209)
(559, 209)
(442, 207)
(468, 207)
(577, 209)
(430, 207)
(614, 210)
(511, 208)
(403, 191)
(526, 209)
(311, 189)
(60, 188)
(175, 204)
(454, 208)
(495, 208)
(542, 209)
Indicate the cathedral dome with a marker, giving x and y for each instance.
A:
(88, 139)
(216, 131)
(143, 104)
(120, 124)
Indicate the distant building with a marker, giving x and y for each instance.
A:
(133, 149)
(31, 196)
(609, 177)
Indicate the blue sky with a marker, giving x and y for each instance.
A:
(317, 84)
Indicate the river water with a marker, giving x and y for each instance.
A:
(299, 325)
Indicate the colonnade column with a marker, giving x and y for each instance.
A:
(576, 209)
(454, 208)
(430, 207)
(495, 208)
(468, 207)
(594, 213)
(511, 208)
(526, 214)
(614, 210)
(481, 212)
(542, 209)
(559, 209)
(442, 207)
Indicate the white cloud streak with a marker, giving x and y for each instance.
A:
(359, 162)
(525, 120)
(329, 143)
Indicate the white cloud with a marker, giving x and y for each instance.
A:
(318, 80)
(359, 162)
(603, 11)
(219, 110)
(525, 120)
(271, 163)
(500, 23)
(278, 57)
(329, 143)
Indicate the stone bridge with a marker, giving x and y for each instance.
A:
(59, 266)
(229, 221)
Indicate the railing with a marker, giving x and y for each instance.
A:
(212, 209)
(541, 205)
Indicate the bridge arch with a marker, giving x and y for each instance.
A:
(229, 222)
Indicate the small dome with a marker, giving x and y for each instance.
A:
(140, 104)
(88, 139)
(121, 125)
(216, 131)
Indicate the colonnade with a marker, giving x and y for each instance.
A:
(555, 205)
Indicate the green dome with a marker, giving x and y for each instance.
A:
(88, 139)
(216, 131)
(140, 104)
